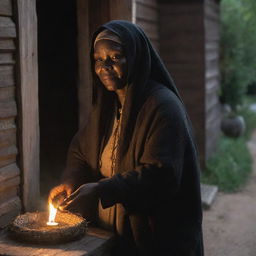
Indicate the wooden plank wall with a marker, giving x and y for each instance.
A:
(182, 50)
(147, 18)
(10, 203)
(212, 75)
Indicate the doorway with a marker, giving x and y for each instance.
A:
(58, 99)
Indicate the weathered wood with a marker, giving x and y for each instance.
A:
(7, 28)
(211, 102)
(27, 86)
(213, 123)
(180, 9)
(212, 85)
(213, 5)
(212, 30)
(6, 45)
(181, 57)
(6, 58)
(211, 55)
(8, 123)
(213, 134)
(8, 206)
(5, 160)
(13, 182)
(8, 172)
(8, 193)
(211, 73)
(120, 10)
(211, 15)
(212, 46)
(213, 111)
(146, 13)
(7, 137)
(6, 8)
(147, 19)
(8, 155)
(151, 29)
(6, 76)
(150, 3)
(8, 210)
(212, 64)
(8, 109)
(7, 93)
(95, 243)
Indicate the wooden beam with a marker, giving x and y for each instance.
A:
(6, 45)
(6, 76)
(8, 155)
(28, 116)
(7, 28)
(6, 7)
(8, 172)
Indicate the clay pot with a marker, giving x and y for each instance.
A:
(233, 126)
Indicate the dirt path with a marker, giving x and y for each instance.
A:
(230, 225)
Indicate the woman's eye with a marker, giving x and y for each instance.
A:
(98, 59)
(116, 57)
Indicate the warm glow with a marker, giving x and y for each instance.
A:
(52, 214)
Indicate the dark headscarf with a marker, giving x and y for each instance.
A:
(145, 71)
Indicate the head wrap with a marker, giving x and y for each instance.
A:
(107, 35)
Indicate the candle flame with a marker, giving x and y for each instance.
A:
(52, 214)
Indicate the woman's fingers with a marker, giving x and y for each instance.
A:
(73, 195)
(69, 204)
(58, 194)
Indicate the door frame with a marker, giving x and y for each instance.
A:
(27, 100)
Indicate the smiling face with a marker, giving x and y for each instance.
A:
(110, 64)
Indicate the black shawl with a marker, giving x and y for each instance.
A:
(156, 182)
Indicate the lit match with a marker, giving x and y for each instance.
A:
(52, 214)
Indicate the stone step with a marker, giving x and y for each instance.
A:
(208, 193)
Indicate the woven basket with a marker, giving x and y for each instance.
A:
(31, 227)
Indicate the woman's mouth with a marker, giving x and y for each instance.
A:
(107, 77)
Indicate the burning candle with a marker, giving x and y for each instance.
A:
(52, 214)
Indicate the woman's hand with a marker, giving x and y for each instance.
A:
(82, 200)
(58, 194)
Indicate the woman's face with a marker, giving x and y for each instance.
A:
(110, 64)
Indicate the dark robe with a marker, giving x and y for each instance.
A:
(156, 185)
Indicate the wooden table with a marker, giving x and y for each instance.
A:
(96, 242)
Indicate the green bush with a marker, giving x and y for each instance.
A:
(238, 51)
(229, 166)
(249, 118)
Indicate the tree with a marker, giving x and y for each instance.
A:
(238, 49)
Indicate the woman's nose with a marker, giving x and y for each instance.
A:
(107, 64)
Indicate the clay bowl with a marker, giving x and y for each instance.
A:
(31, 227)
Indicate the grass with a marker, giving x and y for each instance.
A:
(231, 164)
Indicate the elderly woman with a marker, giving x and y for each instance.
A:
(135, 156)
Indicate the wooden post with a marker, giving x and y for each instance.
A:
(28, 115)
(120, 10)
(90, 15)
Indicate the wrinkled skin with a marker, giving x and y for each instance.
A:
(110, 65)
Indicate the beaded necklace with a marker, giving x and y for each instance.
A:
(116, 135)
